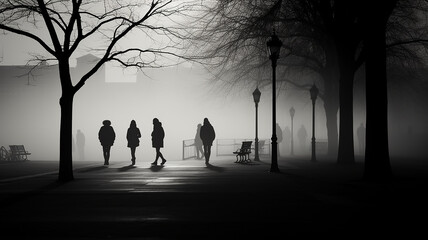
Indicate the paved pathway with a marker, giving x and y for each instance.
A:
(186, 199)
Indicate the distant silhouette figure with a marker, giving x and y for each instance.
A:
(207, 136)
(198, 143)
(132, 135)
(80, 142)
(158, 135)
(361, 132)
(106, 135)
(287, 138)
(302, 135)
(279, 138)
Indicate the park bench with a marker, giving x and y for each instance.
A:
(4, 154)
(243, 153)
(18, 152)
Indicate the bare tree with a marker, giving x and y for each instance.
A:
(394, 31)
(63, 27)
(240, 30)
(331, 39)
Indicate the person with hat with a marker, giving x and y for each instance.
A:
(106, 135)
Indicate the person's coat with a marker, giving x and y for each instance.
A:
(207, 134)
(133, 136)
(198, 140)
(106, 135)
(158, 135)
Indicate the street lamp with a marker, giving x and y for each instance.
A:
(314, 94)
(256, 97)
(274, 47)
(292, 111)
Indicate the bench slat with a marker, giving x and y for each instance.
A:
(244, 152)
(18, 152)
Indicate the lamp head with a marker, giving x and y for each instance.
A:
(314, 92)
(274, 45)
(292, 111)
(256, 95)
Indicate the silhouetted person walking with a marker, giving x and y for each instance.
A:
(207, 136)
(361, 132)
(198, 143)
(132, 135)
(106, 135)
(157, 140)
(302, 135)
(80, 142)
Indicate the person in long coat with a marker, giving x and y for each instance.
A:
(158, 135)
(106, 135)
(198, 143)
(133, 134)
(207, 136)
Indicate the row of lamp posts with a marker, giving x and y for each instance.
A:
(274, 47)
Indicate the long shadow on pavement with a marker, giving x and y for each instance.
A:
(156, 168)
(126, 168)
(215, 168)
(92, 169)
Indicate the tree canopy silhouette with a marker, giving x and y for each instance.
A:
(325, 40)
(63, 28)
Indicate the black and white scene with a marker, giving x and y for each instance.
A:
(213, 119)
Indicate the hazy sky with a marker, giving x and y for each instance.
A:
(180, 97)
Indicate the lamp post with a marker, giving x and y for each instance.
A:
(256, 97)
(314, 94)
(274, 47)
(292, 111)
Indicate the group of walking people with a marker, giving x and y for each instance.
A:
(107, 136)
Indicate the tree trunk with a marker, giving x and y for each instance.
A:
(66, 127)
(346, 40)
(346, 117)
(331, 107)
(331, 97)
(377, 163)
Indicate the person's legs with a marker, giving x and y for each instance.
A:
(205, 152)
(208, 154)
(197, 151)
(133, 155)
(106, 153)
(161, 156)
(201, 151)
(157, 156)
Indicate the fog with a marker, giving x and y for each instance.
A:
(180, 97)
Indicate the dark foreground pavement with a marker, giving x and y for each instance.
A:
(225, 200)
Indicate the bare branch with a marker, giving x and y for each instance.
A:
(30, 35)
